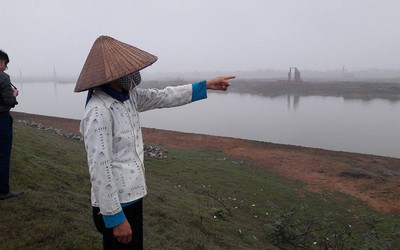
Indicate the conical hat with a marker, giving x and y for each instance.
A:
(110, 59)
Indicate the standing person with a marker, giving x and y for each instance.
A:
(8, 99)
(113, 137)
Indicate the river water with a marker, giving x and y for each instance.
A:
(332, 123)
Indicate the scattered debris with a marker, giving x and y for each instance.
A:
(58, 132)
(155, 152)
(149, 151)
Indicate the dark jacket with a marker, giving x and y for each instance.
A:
(7, 99)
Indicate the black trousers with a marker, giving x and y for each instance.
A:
(6, 137)
(134, 215)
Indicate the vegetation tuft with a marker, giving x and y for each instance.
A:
(198, 199)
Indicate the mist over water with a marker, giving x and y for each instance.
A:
(321, 122)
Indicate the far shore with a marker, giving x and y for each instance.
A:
(364, 89)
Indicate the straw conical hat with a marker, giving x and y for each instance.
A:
(110, 59)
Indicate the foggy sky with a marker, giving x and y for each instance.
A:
(204, 35)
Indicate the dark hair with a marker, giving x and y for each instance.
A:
(4, 56)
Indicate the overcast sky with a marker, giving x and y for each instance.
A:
(204, 35)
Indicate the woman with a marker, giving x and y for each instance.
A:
(113, 136)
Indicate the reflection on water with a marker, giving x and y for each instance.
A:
(322, 122)
(293, 102)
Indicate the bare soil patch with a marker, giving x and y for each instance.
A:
(370, 178)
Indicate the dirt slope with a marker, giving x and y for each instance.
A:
(373, 179)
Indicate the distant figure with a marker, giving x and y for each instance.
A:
(113, 136)
(8, 99)
(297, 77)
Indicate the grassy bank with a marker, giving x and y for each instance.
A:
(198, 199)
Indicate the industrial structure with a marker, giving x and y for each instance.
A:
(296, 73)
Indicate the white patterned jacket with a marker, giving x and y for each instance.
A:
(114, 144)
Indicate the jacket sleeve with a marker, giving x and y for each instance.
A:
(7, 97)
(148, 99)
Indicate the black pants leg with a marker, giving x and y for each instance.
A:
(6, 136)
(134, 215)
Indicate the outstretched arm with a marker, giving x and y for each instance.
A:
(147, 99)
(219, 83)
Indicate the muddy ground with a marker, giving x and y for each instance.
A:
(370, 178)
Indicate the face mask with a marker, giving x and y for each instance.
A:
(130, 81)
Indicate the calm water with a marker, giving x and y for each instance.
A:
(322, 122)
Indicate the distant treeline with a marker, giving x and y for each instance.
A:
(380, 75)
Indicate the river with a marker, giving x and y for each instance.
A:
(333, 123)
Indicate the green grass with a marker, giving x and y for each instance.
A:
(198, 199)
(54, 212)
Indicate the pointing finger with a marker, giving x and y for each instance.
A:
(228, 77)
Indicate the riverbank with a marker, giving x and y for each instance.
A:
(370, 178)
